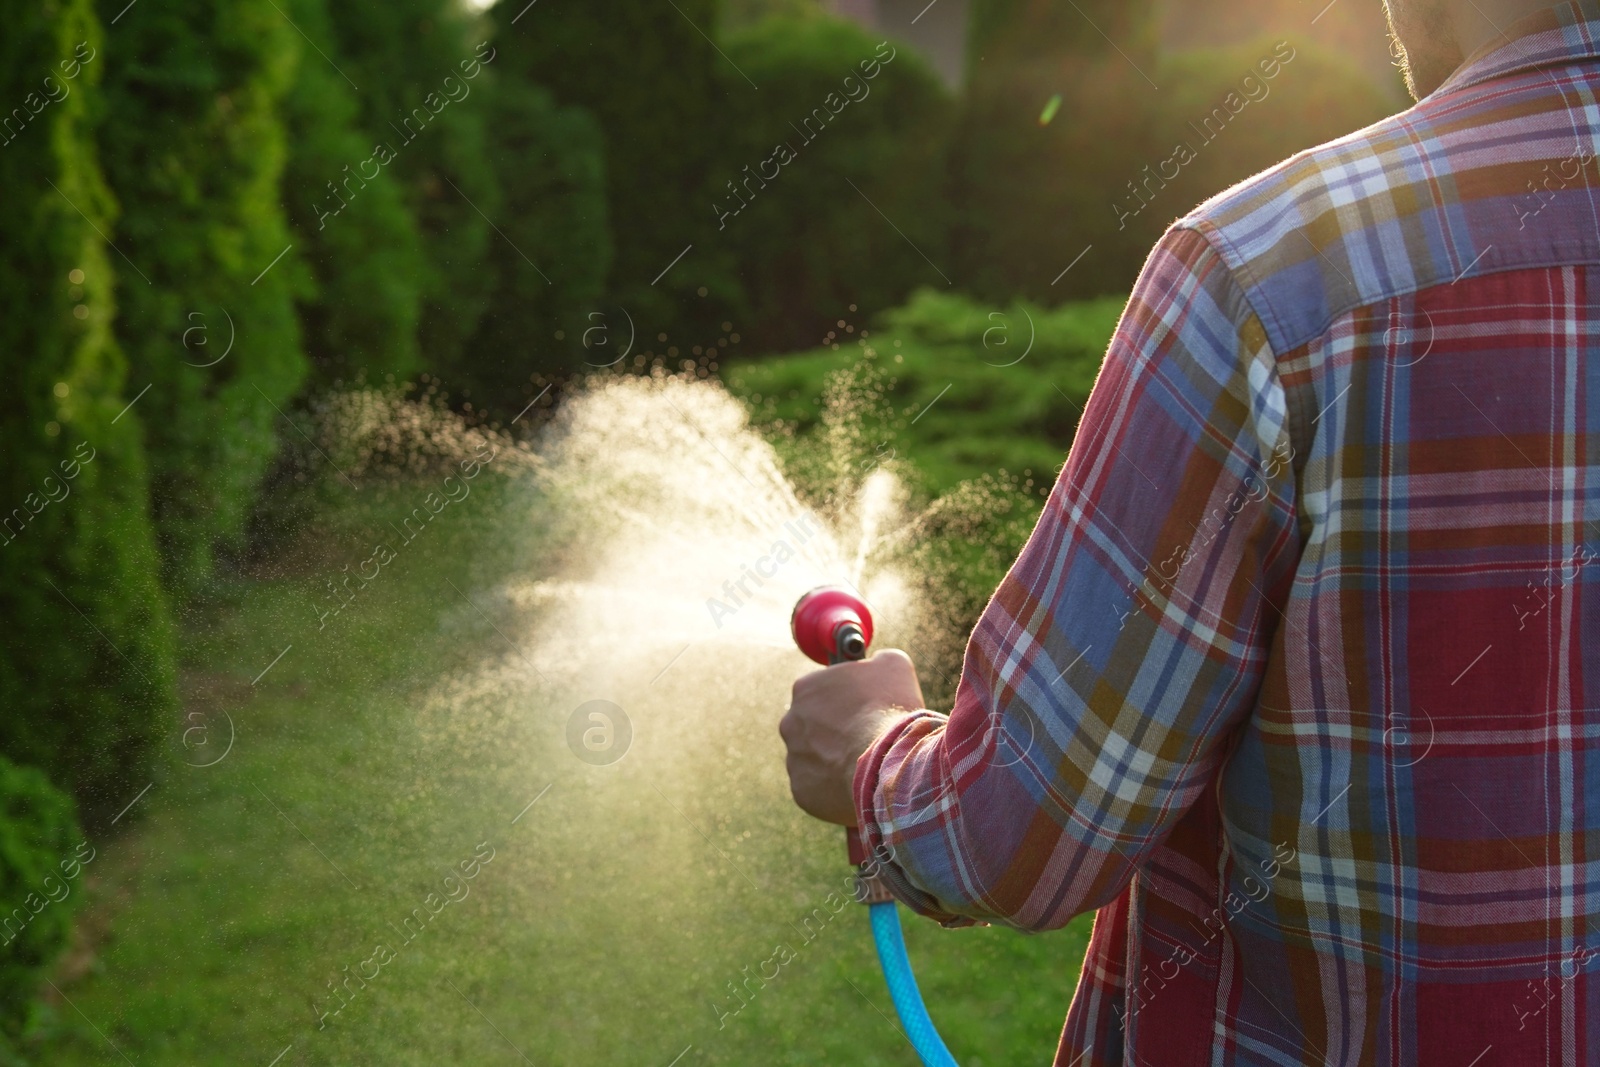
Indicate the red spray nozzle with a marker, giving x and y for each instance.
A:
(831, 625)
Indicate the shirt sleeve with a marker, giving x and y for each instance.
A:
(1107, 673)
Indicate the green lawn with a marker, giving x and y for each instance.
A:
(392, 745)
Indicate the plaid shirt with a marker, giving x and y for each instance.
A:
(1297, 682)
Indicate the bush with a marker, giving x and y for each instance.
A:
(1006, 384)
(1314, 96)
(1004, 32)
(1031, 195)
(86, 667)
(1118, 163)
(809, 243)
(741, 14)
(400, 53)
(1054, 116)
(39, 858)
(194, 146)
(550, 269)
(360, 311)
(655, 84)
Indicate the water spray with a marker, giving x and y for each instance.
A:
(832, 625)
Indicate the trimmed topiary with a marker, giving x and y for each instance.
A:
(86, 666)
(421, 66)
(361, 309)
(193, 144)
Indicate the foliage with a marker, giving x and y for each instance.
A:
(1004, 32)
(224, 879)
(1031, 188)
(1316, 96)
(742, 14)
(360, 308)
(1031, 196)
(652, 79)
(997, 402)
(856, 214)
(37, 865)
(577, 163)
(419, 66)
(86, 667)
(1119, 162)
(194, 147)
(550, 268)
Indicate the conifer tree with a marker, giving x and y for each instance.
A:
(352, 226)
(86, 667)
(420, 66)
(193, 143)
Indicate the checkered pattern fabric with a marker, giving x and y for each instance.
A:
(1297, 682)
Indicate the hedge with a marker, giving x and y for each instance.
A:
(550, 259)
(360, 311)
(1004, 32)
(420, 65)
(1112, 168)
(830, 187)
(86, 667)
(652, 79)
(194, 146)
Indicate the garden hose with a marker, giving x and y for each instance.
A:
(832, 625)
(902, 984)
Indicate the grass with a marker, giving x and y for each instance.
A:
(374, 754)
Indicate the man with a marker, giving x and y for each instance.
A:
(1297, 682)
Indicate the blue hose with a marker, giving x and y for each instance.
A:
(903, 986)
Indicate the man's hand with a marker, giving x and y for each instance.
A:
(834, 715)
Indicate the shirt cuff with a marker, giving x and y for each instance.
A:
(890, 859)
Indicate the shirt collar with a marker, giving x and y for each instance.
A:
(1563, 33)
